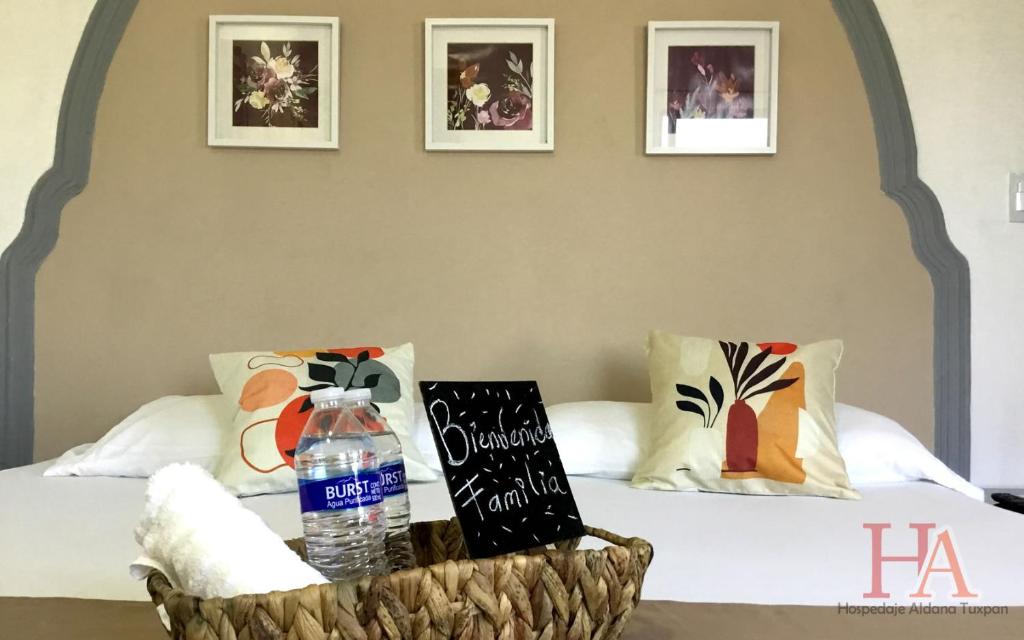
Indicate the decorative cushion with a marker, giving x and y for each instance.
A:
(743, 417)
(271, 392)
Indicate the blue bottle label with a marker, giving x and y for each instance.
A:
(392, 477)
(342, 492)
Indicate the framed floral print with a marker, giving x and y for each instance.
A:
(273, 82)
(712, 87)
(489, 84)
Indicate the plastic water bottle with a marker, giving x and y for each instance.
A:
(340, 491)
(398, 543)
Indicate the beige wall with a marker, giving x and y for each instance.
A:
(961, 65)
(40, 38)
(496, 265)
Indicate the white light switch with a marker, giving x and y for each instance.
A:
(1017, 197)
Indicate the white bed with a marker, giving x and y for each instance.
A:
(72, 537)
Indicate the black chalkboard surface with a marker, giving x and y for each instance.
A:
(504, 475)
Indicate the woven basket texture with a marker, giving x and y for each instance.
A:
(558, 593)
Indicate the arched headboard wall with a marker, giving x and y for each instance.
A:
(91, 299)
(950, 273)
(20, 261)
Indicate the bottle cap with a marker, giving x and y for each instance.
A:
(330, 393)
(355, 395)
(337, 393)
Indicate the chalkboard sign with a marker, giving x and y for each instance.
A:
(504, 475)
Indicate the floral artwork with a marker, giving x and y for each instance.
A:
(710, 82)
(489, 75)
(490, 87)
(274, 84)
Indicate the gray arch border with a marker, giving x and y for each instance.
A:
(897, 155)
(20, 262)
(949, 271)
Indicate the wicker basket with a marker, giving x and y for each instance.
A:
(545, 593)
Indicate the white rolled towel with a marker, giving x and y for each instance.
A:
(208, 544)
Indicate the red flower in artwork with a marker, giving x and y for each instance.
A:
(514, 111)
(777, 348)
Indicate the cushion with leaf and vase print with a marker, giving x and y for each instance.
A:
(743, 417)
(271, 393)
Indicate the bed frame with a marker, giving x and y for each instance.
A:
(897, 155)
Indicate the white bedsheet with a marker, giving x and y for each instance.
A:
(72, 537)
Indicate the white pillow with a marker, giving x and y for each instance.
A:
(166, 430)
(601, 439)
(878, 450)
(422, 437)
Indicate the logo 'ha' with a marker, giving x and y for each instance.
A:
(927, 559)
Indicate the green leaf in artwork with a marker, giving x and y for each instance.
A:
(321, 373)
(717, 393)
(329, 356)
(315, 387)
(380, 379)
(761, 375)
(753, 365)
(691, 392)
(690, 407)
(265, 50)
(778, 385)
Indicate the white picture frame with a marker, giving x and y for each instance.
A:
(499, 122)
(694, 108)
(233, 38)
